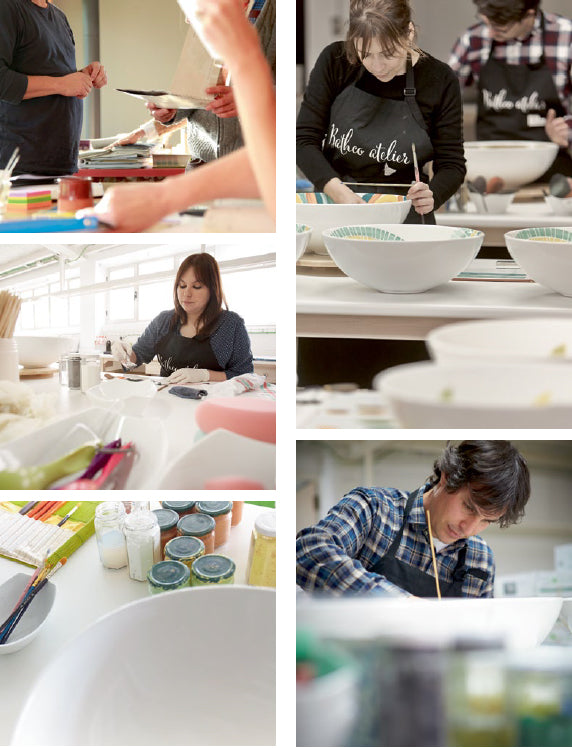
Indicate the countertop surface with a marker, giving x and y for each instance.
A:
(519, 215)
(85, 592)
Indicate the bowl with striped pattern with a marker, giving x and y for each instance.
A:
(545, 254)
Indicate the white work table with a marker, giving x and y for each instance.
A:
(85, 592)
(343, 308)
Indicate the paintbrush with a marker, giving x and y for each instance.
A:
(68, 515)
(27, 507)
(416, 169)
(433, 555)
(376, 184)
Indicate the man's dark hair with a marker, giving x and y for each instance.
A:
(503, 12)
(496, 473)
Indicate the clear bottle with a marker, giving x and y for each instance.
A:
(261, 568)
(109, 521)
(142, 535)
(74, 371)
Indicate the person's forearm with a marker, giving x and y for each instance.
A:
(42, 85)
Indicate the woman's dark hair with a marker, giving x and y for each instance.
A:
(496, 473)
(502, 12)
(207, 272)
(388, 22)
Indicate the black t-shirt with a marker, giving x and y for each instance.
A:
(438, 97)
(37, 41)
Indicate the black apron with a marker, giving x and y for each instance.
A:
(369, 139)
(513, 101)
(174, 351)
(413, 580)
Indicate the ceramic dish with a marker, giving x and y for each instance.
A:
(516, 162)
(111, 680)
(34, 618)
(320, 213)
(545, 254)
(402, 259)
(561, 206)
(495, 202)
(524, 341)
(429, 395)
(303, 233)
(37, 351)
(130, 397)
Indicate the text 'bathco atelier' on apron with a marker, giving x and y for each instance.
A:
(369, 139)
(514, 101)
(174, 351)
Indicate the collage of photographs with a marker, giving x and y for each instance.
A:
(158, 339)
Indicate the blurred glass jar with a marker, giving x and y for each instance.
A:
(109, 523)
(199, 526)
(184, 549)
(142, 536)
(90, 372)
(181, 507)
(221, 512)
(212, 569)
(167, 519)
(261, 567)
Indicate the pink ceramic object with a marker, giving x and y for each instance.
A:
(249, 417)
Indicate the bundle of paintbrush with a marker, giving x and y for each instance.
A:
(26, 536)
(37, 582)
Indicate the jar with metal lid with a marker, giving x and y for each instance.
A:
(167, 519)
(167, 576)
(212, 569)
(221, 512)
(261, 568)
(184, 548)
(237, 507)
(109, 521)
(74, 371)
(143, 536)
(181, 507)
(199, 526)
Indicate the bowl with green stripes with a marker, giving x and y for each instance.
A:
(303, 234)
(411, 258)
(545, 254)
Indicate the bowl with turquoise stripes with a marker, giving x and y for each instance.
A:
(545, 254)
(319, 211)
(303, 233)
(410, 258)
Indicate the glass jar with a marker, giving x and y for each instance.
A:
(63, 370)
(221, 512)
(199, 526)
(167, 576)
(135, 506)
(181, 507)
(185, 549)
(212, 569)
(90, 372)
(237, 507)
(261, 568)
(74, 371)
(109, 521)
(167, 519)
(143, 536)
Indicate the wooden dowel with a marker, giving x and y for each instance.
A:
(433, 555)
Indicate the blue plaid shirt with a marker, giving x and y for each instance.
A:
(336, 553)
(255, 10)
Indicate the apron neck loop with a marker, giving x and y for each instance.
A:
(409, 92)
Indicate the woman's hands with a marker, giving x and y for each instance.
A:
(340, 193)
(96, 73)
(421, 198)
(189, 376)
(557, 129)
(122, 352)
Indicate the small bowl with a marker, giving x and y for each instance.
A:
(497, 341)
(545, 254)
(38, 351)
(561, 206)
(517, 162)
(495, 202)
(317, 210)
(402, 259)
(33, 619)
(303, 234)
(429, 395)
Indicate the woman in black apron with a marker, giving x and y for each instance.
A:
(514, 100)
(198, 341)
(369, 101)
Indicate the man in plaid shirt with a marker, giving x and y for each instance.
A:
(520, 59)
(376, 540)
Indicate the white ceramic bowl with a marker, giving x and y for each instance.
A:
(522, 622)
(517, 162)
(37, 351)
(546, 260)
(495, 202)
(561, 206)
(33, 619)
(494, 341)
(119, 681)
(325, 216)
(429, 395)
(303, 234)
(402, 259)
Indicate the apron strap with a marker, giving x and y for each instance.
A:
(461, 570)
(409, 93)
(392, 550)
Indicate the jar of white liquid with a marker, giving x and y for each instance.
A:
(143, 535)
(109, 521)
(90, 372)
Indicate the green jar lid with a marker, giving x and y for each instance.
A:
(178, 506)
(196, 524)
(167, 518)
(185, 546)
(214, 508)
(169, 574)
(212, 567)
